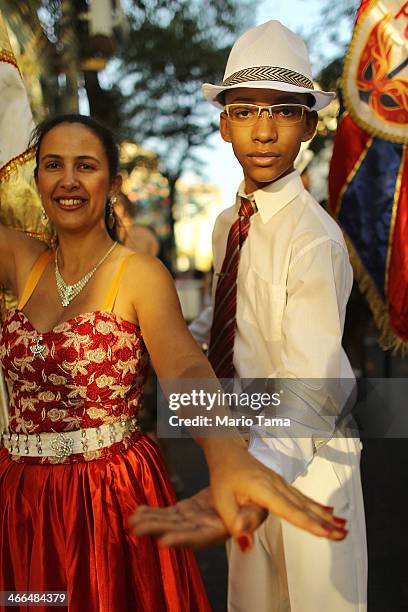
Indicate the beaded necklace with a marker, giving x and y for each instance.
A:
(68, 292)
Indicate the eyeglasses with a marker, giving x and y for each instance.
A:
(282, 114)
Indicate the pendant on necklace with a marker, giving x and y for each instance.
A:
(37, 349)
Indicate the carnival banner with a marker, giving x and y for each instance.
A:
(20, 206)
(16, 121)
(368, 178)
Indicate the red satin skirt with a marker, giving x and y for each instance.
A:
(65, 528)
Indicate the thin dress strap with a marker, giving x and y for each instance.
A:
(33, 278)
(114, 288)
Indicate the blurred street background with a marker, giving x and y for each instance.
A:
(138, 66)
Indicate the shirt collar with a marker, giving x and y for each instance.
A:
(272, 198)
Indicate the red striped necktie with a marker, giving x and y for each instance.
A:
(221, 347)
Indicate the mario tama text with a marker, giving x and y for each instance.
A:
(233, 421)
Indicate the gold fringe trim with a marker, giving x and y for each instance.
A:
(8, 57)
(13, 164)
(347, 101)
(389, 340)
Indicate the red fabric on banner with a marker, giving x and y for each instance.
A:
(398, 267)
(349, 143)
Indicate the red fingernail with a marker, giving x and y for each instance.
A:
(243, 542)
(329, 508)
(336, 530)
(339, 521)
(340, 531)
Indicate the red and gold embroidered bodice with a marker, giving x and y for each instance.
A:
(90, 372)
(84, 372)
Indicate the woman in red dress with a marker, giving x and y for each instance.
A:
(74, 352)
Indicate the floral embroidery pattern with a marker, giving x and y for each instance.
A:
(91, 372)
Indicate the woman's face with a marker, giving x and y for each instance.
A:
(73, 177)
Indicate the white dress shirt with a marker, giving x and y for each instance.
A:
(294, 280)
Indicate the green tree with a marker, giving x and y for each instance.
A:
(37, 52)
(335, 28)
(329, 37)
(173, 48)
(54, 40)
(153, 93)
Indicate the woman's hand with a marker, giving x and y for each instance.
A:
(237, 480)
(192, 522)
(242, 492)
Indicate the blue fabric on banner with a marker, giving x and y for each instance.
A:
(366, 208)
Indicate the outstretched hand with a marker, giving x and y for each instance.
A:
(192, 522)
(242, 492)
(239, 480)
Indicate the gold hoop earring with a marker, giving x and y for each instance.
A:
(111, 215)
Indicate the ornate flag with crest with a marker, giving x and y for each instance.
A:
(368, 179)
(20, 206)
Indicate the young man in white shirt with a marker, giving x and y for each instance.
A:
(293, 282)
(279, 302)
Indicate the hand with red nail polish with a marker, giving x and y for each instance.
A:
(193, 522)
(242, 493)
(244, 541)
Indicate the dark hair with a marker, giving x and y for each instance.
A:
(311, 100)
(105, 136)
(221, 98)
(128, 206)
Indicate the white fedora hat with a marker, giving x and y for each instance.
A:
(269, 57)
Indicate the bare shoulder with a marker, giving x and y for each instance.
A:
(146, 269)
(26, 251)
(18, 254)
(146, 286)
(146, 279)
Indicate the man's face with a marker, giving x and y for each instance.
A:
(265, 150)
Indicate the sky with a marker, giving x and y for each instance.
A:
(219, 164)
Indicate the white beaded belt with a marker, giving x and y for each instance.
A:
(64, 444)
